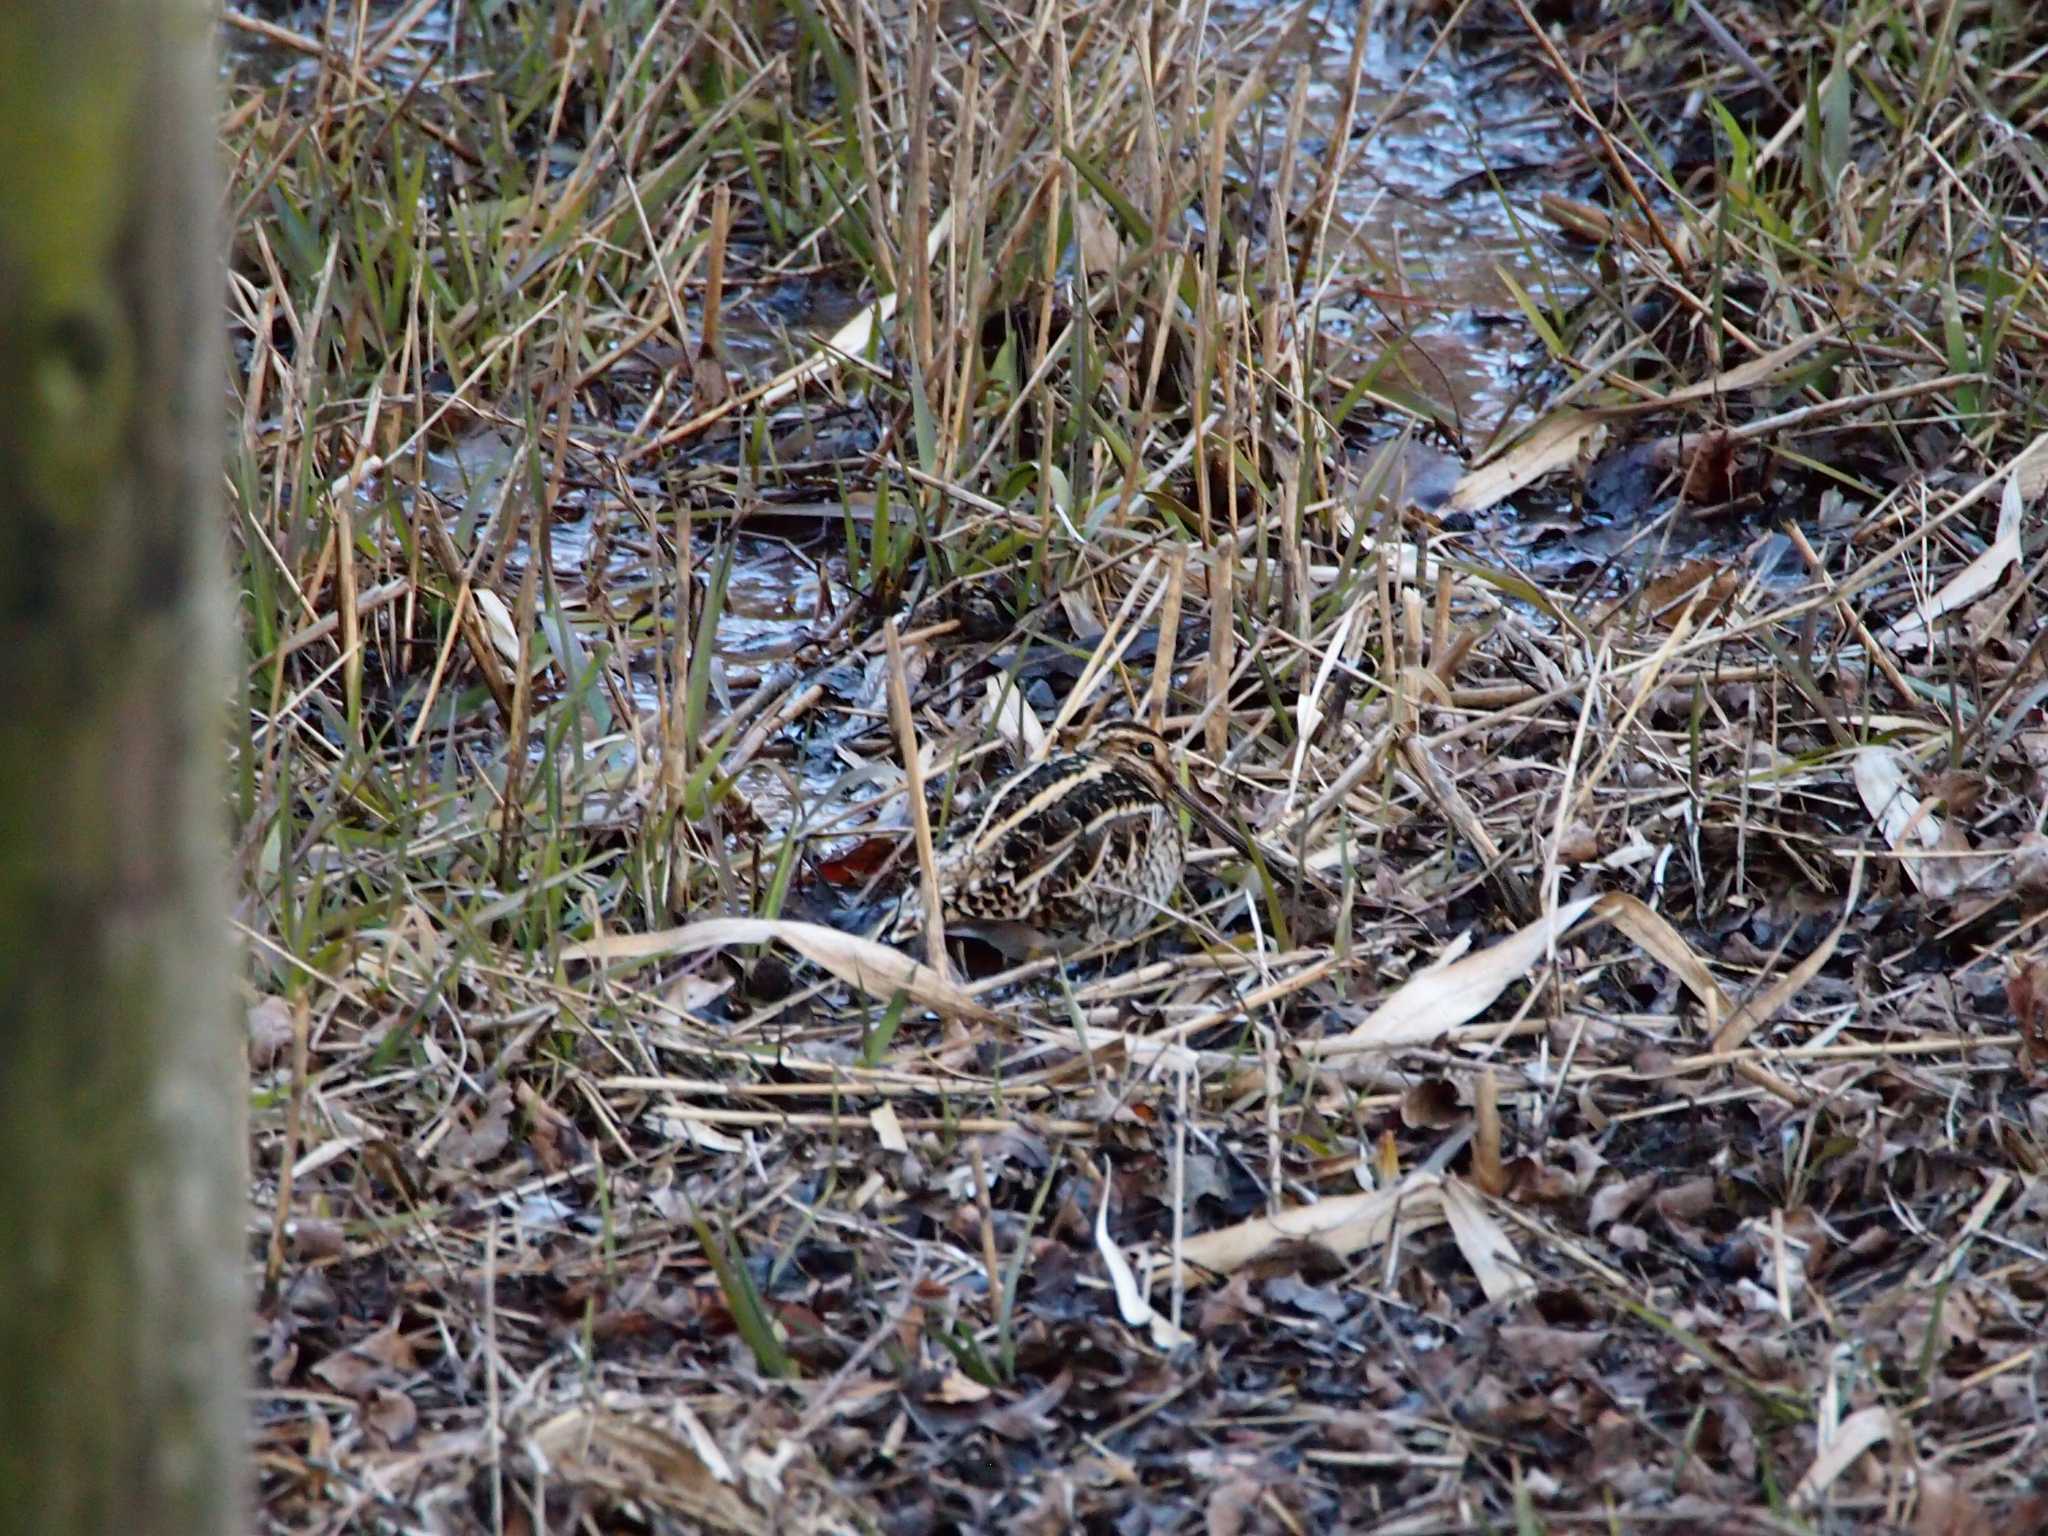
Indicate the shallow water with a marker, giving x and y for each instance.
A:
(1433, 206)
(1425, 212)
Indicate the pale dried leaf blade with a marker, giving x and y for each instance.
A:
(1852, 1437)
(1131, 1302)
(1309, 708)
(1765, 1004)
(2030, 469)
(1974, 579)
(888, 1129)
(1100, 248)
(1758, 370)
(497, 623)
(851, 342)
(1342, 1225)
(1661, 942)
(1485, 1245)
(876, 969)
(1554, 444)
(1005, 711)
(1443, 996)
(1884, 781)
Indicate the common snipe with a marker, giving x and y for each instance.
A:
(1083, 847)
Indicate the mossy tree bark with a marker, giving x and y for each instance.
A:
(121, 1081)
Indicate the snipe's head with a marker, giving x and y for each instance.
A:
(1147, 755)
(1135, 748)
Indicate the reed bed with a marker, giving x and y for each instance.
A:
(1617, 1092)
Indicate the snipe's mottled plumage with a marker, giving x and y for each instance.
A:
(1084, 847)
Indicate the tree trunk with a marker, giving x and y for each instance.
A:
(121, 1078)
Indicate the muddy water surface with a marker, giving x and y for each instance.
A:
(1435, 210)
(1433, 229)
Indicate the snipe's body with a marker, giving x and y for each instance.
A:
(1085, 847)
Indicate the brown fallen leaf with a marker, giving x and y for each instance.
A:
(956, 1388)
(1432, 1103)
(1703, 586)
(478, 1142)
(1616, 1200)
(391, 1416)
(708, 381)
(1232, 1305)
(2026, 992)
(1585, 221)
(858, 864)
(1946, 1508)
(1708, 459)
(1544, 1348)
(1687, 1201)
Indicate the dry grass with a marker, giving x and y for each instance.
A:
(610, 377)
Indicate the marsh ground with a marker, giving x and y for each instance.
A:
(1563, 471)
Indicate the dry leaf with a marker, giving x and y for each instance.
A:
(876, 969)
(270, 1032)
(1435, 1000)
(1096, 238)
(888, 1129)
(1004, 710)
(486, 1134)
(1658, 939)
(1750, 375)
(1764, 1005)
(2026, 991)
(1704, 586)
(1578, 843)
(710, 387)
(1910, 825)
(1586, 221)
(1485, 1245)
(391, 1414)
(1946, 1508)
(1852, 1437)
(1432, 1102)
(1543, 1348)
(1709, 459)
(1131, 1304)
(852, 342)
(1974, 579)
(1341, 1226)
(1309, 707)
(497, 620)
(1554, 443)
(956, 1388)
